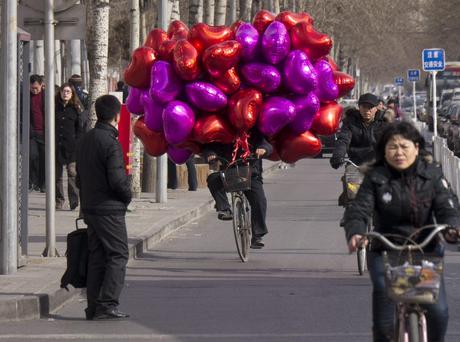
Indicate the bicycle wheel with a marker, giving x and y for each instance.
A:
(361, 255)
(239, 227)
(413, 327)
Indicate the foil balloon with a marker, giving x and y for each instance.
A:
(275, 155)
(262, 19)
(202, 36)
(205, 96)
(134, 100)
(165, 51)
(264, 77)
(178, 155)
(165, 85)
(345, 82)
(137, 74)
(185, 60)
(275, 43)
(244, 107)
(178, 121)
(290, 19)
(177, 30)
(306, 107)
(304, 37)
(331, 62)
(248, 37)
(327, 89)
(190, 145)
(229, 82)
(212, 128)
(299, 75)
(218, 58)
(236, 25)
(327, 119)
(155, 38)
(276, 113)
(292, 147)
(153, 110)
(154, 143)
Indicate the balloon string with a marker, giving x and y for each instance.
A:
(241, 142)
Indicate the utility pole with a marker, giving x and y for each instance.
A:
(8, 135)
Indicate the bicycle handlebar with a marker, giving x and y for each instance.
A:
(348, 160)
(226, 162)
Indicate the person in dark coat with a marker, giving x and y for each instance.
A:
(77, 82)
(105, 194)
(68, 131)
(404, 190)
(256, 195)
(191, 174)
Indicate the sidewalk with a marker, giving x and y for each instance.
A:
(34, 290)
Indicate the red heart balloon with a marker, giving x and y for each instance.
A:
(291, 147)
(315, 44)
(244, 107)
(262, 19)
(275, 155)
(190, 145)
(212, 128)
(185, 60)
(165, 51)
(229, 82)
(327, 119)
(202, 36)
(177, 30)
(345, 82)
(236, 25)
(218, 58)
(155, 38)
(137, 74)
(155, 143)
(332, 63)
(289, 19)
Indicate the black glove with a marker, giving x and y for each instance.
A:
(336, 162)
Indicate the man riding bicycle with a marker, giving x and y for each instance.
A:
(260, 147)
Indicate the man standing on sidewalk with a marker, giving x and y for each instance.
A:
(105, 194)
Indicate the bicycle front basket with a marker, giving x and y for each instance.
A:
(237, 178)
(417, 282)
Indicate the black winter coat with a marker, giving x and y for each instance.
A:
(68, 132)
(101, 177)
(357, 139)
(401, 201)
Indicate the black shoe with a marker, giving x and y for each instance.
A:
(257, 243)
(89, 314)
(110, 314)
(42, 189)
(73, 207)
(342, 222)
(225, 215)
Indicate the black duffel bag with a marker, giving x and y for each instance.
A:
(77, 258)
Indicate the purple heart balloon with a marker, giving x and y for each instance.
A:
(178, 121)
(205, 96)
(153, 113)
(165, 85)
(248, 37)
(262, 76)
(276, 113)
(306, 107)
(134, 100)
(299, 76)
(276, 43)
(178, 155)
(327, 88)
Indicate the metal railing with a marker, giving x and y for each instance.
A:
(450, 164)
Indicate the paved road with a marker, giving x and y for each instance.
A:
(192, 287)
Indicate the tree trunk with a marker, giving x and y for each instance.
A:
(245, 10)
(292, 5)
(231, 12)
(57, 64)
(276, 6)
(208, 12)
(221, 7)
(194, 12)
(256, 7)
(175, 10)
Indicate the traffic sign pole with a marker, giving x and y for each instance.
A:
(415, 101)
(435, 116)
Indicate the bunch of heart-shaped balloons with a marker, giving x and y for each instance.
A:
(216, 83)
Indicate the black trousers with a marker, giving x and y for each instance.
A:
(256, 198)
(37, 160)
(108, 256)
(191, 174)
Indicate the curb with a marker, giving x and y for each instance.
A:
(38, 305)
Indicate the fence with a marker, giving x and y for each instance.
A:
(450, 163)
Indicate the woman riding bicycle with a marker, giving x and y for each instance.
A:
(403, 191)
(260, 147)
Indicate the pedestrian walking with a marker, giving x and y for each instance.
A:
(68, 132)
(105, 194)
(191, 174)
(77, 82)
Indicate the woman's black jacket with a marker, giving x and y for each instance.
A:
(401, 201)
(68, 132)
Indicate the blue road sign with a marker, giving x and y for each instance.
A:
(399, 81)
(413, 75)
(433, 59)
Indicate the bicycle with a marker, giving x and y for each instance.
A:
(236, 178)
(410, 281)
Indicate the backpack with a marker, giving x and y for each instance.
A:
(77, 258)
